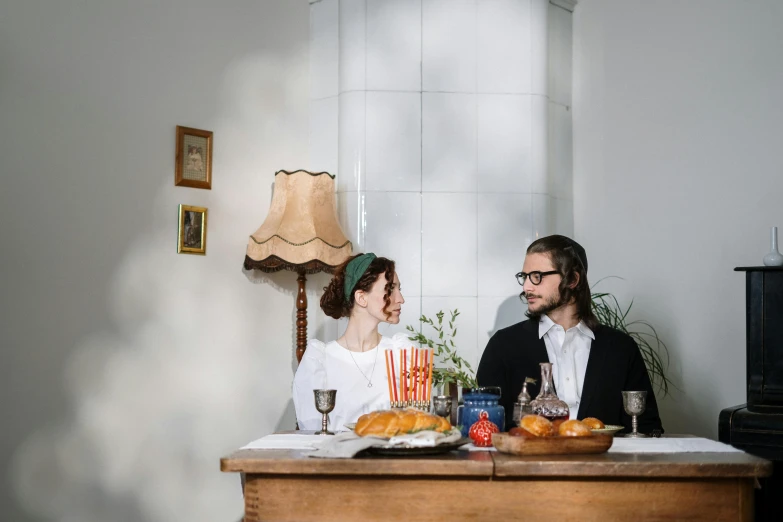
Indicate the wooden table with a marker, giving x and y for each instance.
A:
(287, 485)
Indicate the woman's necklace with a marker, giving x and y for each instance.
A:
(369, 380)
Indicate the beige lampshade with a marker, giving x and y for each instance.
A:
(301, 232)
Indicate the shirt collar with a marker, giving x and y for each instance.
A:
(585, 330)
(545, 324)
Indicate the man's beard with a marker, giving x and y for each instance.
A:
(552, 303)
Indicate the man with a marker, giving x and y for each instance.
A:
(591, 363)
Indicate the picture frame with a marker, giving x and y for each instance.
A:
(193, 160)
(192, 230)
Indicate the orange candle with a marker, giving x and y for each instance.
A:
(426, 373)
(429, 375)
(417, 377)
(410, 375)
(419, 367)
(402, 372)
(415, 373)
(403, 378)
(388, 375)
(425, 359)
(393, 378)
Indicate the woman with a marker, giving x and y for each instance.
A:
(366, 290)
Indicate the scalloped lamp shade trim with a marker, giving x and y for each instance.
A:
(301, 232)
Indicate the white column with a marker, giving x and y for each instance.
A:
(379, 164)
(453, 153)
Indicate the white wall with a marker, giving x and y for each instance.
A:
(127, 369)
(677, 174)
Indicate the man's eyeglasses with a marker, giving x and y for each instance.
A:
(535, 277)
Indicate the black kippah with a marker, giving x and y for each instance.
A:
(558, 242)
(580, 252)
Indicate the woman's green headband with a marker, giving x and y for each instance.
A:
(355, 270)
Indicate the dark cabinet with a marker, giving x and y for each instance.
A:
(757, 426)
(764, 320)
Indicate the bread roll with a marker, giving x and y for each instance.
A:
(593, 423)
(537, 425)
(388, 423)
(520, 432)
(574, 428)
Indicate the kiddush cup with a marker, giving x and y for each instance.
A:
(324, 403)
(634, 403)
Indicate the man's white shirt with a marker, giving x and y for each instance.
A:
(568, 352)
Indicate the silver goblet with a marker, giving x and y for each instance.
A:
(441, 405)
(634, 403)
(324, 403)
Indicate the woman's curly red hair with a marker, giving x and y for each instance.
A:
(333, 301)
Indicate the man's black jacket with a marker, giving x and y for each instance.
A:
(615, 364)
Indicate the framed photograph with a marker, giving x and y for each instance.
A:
(192, 234)
(194, 158)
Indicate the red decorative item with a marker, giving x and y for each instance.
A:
(482, 430)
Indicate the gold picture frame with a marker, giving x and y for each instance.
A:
(192, 230)
(193, 161)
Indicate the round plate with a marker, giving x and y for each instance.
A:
(609, 429)
(415, 451)
(350, 425)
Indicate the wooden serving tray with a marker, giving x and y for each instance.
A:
(551, 445)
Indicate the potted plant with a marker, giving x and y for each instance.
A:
(454, 373)
(654, 351)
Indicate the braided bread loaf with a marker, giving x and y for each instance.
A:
(388, 423)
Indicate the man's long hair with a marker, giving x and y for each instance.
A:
(569, 259)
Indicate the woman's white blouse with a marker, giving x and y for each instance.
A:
(330, 366)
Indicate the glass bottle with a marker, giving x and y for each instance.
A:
(522, 406)
(547, 404)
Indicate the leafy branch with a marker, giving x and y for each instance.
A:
(457, 370)
(654, 351)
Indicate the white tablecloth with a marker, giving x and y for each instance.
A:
(650, 445)
(346, 444)
(620, 444)
(670, 445)
(294, 441)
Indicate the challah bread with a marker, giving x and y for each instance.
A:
(388, 423)
(574, 428)
(593, 423)
(537, 425)
(382, 423)
(428, 422)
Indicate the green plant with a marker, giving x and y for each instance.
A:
(457, 369)
(654, 351)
